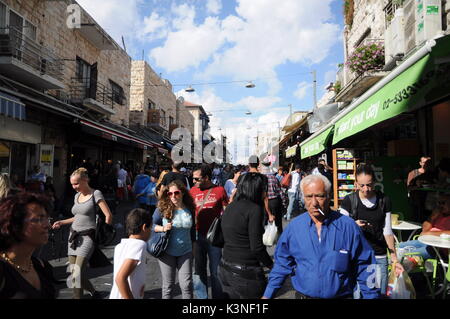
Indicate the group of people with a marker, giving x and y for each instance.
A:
(327, 254)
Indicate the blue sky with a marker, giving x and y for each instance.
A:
(274, 43)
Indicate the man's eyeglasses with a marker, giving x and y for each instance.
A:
(441, 202)
(176, 193)
(197, 179)
(40, 220)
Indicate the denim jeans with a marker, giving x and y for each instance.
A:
(202, 252)
(381, 278)
(293, 204)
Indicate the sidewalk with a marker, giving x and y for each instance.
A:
(102, 278)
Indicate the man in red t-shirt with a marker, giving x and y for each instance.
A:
(214, 200)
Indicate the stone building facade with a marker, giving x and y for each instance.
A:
(60, 73)
(152, 95)
(50, 20)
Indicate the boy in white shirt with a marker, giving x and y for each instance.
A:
(130, 257)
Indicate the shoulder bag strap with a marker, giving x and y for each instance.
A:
(354, 205)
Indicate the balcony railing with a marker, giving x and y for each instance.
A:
(85, 88)
(16, 44)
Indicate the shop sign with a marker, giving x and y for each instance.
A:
(46, 153)
(316, 145)
(290, 152)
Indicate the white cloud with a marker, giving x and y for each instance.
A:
(302, 90)
(255, 41)
(214, 6)
(155, 27)
(188, 47)
(256, 104)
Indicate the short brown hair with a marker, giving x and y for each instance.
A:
(136, 219)
(13, 212)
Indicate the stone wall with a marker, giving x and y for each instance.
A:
(50, 18)
(147, 86)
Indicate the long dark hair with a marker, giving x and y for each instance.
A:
(166, 206)
(251, 186)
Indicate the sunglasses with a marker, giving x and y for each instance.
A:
(176, 193)
(441, 202)
(197, 179)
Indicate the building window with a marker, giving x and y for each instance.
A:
(171, 121)
(163, 117)
(83, 71)
(3, 18)
(117, 93)
(151, 105)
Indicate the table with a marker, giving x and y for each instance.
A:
(438, 242)
(404, 225)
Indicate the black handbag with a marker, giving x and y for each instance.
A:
(104, 233)
(215, 234)
(157, 243)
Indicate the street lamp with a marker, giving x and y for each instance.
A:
(190, 89)
(250, 85)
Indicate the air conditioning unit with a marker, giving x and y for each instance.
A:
(395, 37)
(429, 20)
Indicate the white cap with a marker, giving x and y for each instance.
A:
(183, 169)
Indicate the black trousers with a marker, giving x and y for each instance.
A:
(276, 207)
(248, 283)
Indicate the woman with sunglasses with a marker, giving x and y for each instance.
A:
(175, 213)
(24, 227)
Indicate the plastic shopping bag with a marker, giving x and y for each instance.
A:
(270, 234)
(400, 287)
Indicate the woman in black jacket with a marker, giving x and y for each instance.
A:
(244, 255)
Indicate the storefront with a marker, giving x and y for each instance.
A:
(402, 117)
(18, 139)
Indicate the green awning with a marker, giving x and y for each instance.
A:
(425, 81)
(315, 145)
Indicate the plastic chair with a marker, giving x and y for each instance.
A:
(422, 269)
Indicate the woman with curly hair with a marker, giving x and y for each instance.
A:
(175, 213)
(24, 226)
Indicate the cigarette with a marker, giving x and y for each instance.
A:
(320, 211)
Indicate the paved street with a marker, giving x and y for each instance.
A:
(102, 278)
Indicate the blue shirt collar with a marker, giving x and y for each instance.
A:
(328, 220)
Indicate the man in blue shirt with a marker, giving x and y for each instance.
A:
(325, 252)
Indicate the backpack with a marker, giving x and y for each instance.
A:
(354, 203)
(286, 181)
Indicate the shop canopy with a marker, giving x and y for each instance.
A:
(420, 80)
(315, 145)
